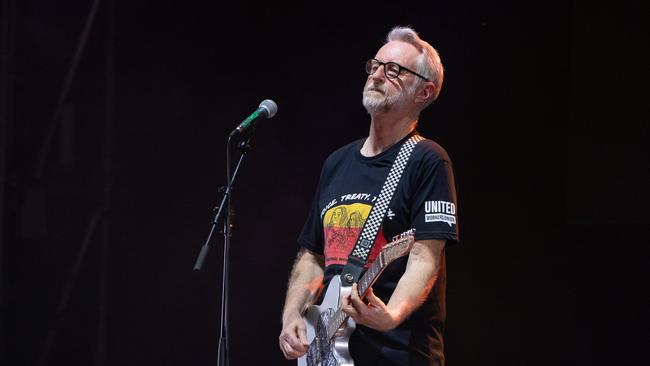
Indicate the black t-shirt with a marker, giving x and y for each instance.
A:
(425, 199)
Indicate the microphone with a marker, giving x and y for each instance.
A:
(267, 109)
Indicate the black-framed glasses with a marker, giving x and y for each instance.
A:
(391, 69)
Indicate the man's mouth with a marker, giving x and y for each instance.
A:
(376, 90)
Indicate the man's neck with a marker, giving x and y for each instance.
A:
(385, 131)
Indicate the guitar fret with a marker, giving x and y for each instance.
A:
(364, 284)
(371, 273)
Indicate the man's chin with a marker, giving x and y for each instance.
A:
(374, 106)
(376, 98)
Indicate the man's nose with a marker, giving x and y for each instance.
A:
(378, 74)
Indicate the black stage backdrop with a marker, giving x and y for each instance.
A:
(544, 112)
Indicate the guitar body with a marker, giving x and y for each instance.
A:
(328, 327)
(324, 351)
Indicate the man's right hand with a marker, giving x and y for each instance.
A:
(293, 338)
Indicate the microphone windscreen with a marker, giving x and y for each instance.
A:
(270, 107)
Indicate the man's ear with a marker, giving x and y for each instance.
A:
(426, 92)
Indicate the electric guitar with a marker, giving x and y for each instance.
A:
(328, 327)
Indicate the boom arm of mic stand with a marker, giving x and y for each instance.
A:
(245, 147)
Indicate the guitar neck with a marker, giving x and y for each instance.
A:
(371, 275)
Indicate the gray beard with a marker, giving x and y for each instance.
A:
(375, 103)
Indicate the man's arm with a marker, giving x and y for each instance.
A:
(305, 281)
(411, 291)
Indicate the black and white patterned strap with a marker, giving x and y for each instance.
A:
(373, 223)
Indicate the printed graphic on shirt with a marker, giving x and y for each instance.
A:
(342, 225)
(440, 211)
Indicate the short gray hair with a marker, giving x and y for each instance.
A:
(428, 63)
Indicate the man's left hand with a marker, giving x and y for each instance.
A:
(375, 314)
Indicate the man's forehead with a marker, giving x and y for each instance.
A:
(397, 51)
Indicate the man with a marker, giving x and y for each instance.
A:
(400, 322)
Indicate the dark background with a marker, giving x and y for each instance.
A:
(544, 112)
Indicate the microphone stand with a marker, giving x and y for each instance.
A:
(224, 206)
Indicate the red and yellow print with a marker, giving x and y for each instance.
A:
(342, 225)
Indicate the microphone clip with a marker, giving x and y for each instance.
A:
(245, 145)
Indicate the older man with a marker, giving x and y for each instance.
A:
(400, 322)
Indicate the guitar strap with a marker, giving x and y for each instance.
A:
(359, 254)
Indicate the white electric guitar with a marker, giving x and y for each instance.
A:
(328, 327)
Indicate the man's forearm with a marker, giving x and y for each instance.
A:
(304, 282)
(415, 284)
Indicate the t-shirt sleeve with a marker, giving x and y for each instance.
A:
(434, 210)
(311, 236)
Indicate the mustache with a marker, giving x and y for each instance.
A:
(375, 87)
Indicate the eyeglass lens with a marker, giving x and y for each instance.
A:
(391, 69)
